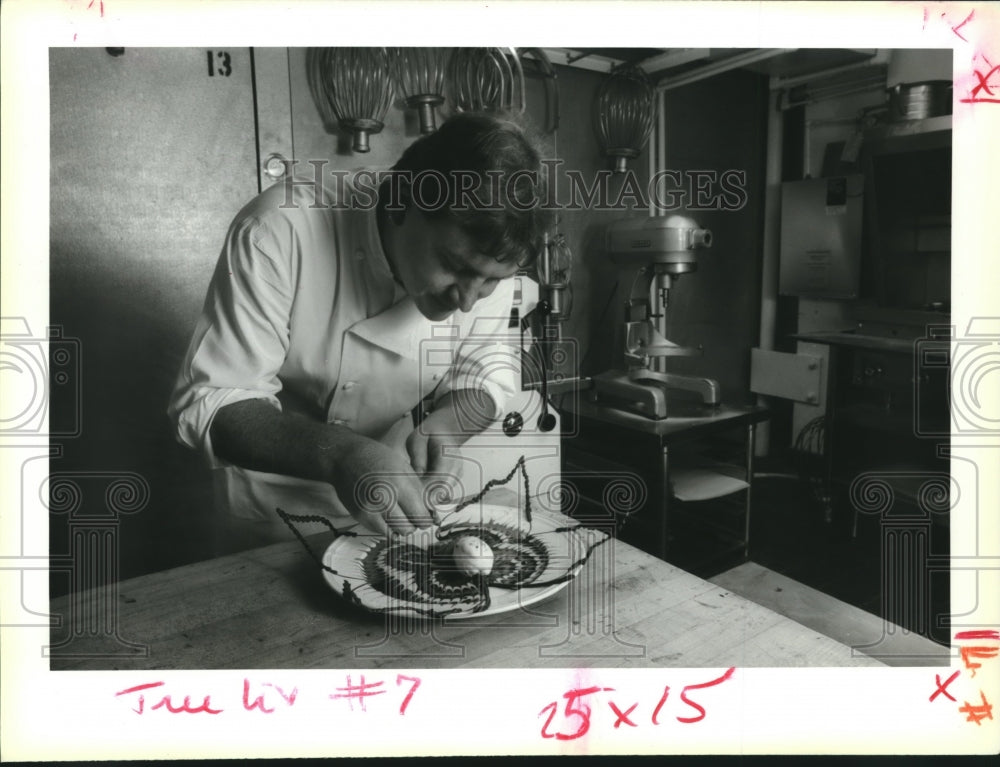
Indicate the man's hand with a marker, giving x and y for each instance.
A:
(434, 459)
(375, 483)
(433, 446)
(378, 487)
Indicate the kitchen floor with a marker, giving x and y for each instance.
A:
(790, 535)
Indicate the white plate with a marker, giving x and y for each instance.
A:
(565, 543)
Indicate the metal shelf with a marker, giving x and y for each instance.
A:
(909, 128)
(909, 136)
(693, 484)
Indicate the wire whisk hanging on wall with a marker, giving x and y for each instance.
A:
(315, 67)
(623, 114)
(486, 80)
(354, 85)
(539, 66)
(420, 77)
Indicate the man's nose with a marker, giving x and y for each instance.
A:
(471, 290)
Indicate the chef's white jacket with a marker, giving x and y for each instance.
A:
(303, 312)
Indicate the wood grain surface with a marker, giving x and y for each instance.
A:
(271, 608)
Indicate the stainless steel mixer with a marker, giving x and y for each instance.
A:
(661, 249)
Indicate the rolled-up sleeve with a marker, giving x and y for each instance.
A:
(242, 337)
(488, 357)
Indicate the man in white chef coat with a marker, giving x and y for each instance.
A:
(334, 311)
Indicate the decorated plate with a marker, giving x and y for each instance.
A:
(420, 575)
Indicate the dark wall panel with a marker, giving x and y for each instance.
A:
(150, 159)
(720, 125)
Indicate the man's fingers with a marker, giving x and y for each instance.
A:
(378, 498)
(440, 490)
(413, 504)
(416, 446)
(398, 522)
(437, 460)
(374, 522)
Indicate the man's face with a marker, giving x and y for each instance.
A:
(439, 267)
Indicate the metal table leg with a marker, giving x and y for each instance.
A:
(665, 514)
(749, 491)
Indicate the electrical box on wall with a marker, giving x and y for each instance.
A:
(821, 237)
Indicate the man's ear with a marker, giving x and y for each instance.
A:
(395, 196)
(405, 199)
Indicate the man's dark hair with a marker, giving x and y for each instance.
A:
(483, 172)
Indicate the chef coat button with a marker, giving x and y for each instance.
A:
(349, 385)
(436, 376)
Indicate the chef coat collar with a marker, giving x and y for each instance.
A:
(374, 253)
(400, 329)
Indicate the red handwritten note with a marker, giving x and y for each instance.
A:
(166, 701)
(975, 647)
(264, 697)
(259, 704)
(575, 719)
(364, 689)
(983, 85)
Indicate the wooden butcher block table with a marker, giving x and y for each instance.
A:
(271, 608)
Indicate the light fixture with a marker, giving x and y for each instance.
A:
(623, 114)
(420, 74)
(356, 84)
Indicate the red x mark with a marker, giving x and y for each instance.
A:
(983, 85)
(943, 688)
(623, 717)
